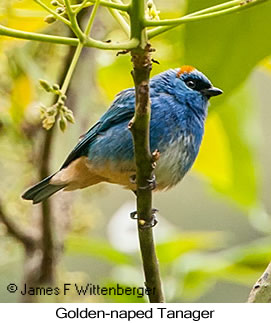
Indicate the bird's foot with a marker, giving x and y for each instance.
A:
(132, 179)
(150, 185)
(144, 224)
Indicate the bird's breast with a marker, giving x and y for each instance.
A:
(175, 160)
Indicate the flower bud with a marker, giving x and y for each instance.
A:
(50, 19)
(69, 116)
(60, 10)
(45, 85)
(62, 122)
(63, 97)
(55, 87)
(51, 111)
(55, 3)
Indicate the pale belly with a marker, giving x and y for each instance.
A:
(172, 165)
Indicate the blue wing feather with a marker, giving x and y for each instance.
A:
(122, 109)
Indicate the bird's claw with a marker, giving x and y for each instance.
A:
(151, 183)
(132, 179)
(133, 215)
(144, 224)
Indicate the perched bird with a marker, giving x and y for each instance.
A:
(179, 103)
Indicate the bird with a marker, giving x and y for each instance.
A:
(179, 105)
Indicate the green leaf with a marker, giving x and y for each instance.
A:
(227, 49)
(171, 250)
(239, 118)
(227, 157)
(96, 248)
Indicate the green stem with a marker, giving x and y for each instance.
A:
(10, 32)
(68, 8)
(190, 18)
(92, 16)
(79, 49)
(80, 7)
(74, 23)
(231, 7)
(51, 11)
(224, 5)
(137, 14)
(71, 68)
(118, 6)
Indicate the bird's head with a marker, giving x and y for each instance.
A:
(194, 83)
(188, 85)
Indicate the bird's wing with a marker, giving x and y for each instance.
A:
(121, 109)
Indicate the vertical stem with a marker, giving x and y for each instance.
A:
(79, 48)
(140, 129)
(48, 260)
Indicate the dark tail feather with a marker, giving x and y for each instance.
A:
(41, 191)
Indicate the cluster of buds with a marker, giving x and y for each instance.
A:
(151, 12)
(58, 111)
(59, 10)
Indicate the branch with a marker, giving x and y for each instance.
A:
(118, 6)
(48, 245)
(23, 235)
(261, 291)
(212, 12)
(139, 127)
(10, 32)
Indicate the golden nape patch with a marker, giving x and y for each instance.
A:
(185, 69)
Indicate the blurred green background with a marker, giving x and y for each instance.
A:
(213, 237)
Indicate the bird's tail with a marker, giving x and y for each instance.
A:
(41, 190)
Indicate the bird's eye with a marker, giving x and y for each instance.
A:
(190, 84)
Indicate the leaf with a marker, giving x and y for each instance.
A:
(198, 272)
(171, 250)
(217, 170)
(257, 254)
(243, 265)
(227, 156)
(227, 49)
(96, 248)
(239, 119)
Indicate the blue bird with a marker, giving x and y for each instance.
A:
(179, 104)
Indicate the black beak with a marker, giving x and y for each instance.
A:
(212, 91)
